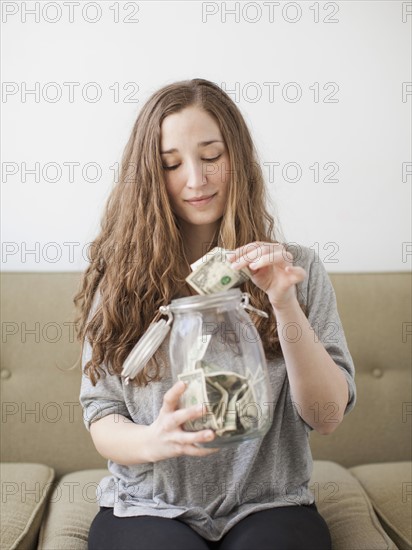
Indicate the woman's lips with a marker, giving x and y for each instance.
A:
(201, 202)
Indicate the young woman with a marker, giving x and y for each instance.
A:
(190, 181)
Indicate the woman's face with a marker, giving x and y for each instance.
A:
(196, 166)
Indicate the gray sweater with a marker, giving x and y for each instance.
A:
(213, 493)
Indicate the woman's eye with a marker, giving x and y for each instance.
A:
(177, 165)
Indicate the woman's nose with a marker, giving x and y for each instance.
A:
(196, 175)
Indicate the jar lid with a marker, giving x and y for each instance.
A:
(146, 347)
(204, 301)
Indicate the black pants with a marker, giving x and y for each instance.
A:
(285, 528)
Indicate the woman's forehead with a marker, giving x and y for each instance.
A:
(190, 124)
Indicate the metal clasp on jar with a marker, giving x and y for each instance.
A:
(246, 305)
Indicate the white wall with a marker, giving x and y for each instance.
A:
(354, 111)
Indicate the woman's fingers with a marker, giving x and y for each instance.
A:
(172, 396)
(267, 255)
(279, 258)
(250, 248)
(245, 254)
(187, 441)
(183, 415)
(190, 438)
(187, 438)
(191, 442)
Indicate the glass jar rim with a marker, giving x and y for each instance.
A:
(190, 303)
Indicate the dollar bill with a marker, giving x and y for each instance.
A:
(232, 412)
(234, 385)
(247, 409)
(226, 396)
(196, 394)
(217, 251)
(219, 399)
(228, 399)
(213, 273)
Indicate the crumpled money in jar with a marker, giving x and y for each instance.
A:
(225, 395)
(213, 273)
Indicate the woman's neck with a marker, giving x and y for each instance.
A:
(198, 239)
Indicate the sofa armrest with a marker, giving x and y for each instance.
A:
(347, 510)
(25, 489)
(72, 507)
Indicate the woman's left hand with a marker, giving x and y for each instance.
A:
(273, 270)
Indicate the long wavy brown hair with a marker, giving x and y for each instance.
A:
(138, 260)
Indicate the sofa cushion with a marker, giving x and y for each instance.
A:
(71, 510)
(339, 497)
(389, 487)
(346, 509)
(25, 488)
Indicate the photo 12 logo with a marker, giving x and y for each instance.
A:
(272, 91)
(53, 92)
(71, 12)
(270, 12)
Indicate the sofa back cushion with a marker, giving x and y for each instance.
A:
(41, 414)
(375, 309)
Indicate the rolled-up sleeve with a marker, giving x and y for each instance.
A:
(324, 318)
(107, 396)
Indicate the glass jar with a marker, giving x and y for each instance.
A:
(215, 348)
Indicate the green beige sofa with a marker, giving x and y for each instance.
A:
(50, 469)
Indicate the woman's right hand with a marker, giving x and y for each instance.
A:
(168, 437)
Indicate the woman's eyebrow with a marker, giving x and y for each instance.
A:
(200, 144)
